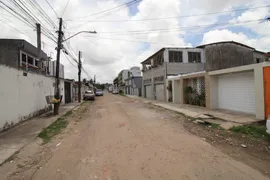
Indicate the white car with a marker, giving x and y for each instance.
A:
(115, 91)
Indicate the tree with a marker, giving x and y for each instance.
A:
(84, 81)
(91, 81)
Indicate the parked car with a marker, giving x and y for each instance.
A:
(115, 91)
(99, 92)
(89, 95)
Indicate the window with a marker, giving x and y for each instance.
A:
(194, 57)
(36, 62)
(30, 60)
(257, 60)
(175, 56)
(24, 57)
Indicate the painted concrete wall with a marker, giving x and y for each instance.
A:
(182, 68)
(135, 71)
(176, 91)
(21, 96)
(259, 85)
(124, 75)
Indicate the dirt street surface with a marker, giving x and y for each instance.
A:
(118, 138)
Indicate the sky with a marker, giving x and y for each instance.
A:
(128, 35)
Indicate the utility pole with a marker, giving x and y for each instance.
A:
(59, 47)
(79, 77)
(39, 44)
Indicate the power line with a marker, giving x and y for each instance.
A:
(52, 8)
(13, 27)
(22, 12)
(69, 60)
(148, 31)
(177, 17)
(43, 14)
(65, 8)
(135, 41)
(13, 12)
(108, 10)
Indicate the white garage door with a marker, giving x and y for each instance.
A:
(159, 92)
(148, 92)
(236, 92)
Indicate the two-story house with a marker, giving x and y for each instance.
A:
(169, 62)
(133, 83)
(121, 79)
(235, 79)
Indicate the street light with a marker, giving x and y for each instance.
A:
(92, 32)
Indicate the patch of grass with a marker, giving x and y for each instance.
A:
(216, 126)
(252, 131)
(87, 102)
(55, 128)
(122, 94)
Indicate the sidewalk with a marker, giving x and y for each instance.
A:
(16, 138)
(230, 118)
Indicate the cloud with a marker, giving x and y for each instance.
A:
(227, 35)
(105, 53)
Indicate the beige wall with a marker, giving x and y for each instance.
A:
(259, 89)
(211, 85)
(259, 86)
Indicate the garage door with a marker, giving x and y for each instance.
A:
(159, 89)
(236, 92)
(148, 92)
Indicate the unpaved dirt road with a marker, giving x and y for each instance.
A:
(119, 138)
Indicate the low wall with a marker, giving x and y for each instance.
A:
(22, 97)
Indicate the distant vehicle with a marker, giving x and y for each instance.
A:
(115, 91)
(110, 89)
(99, 92)
(89, 95)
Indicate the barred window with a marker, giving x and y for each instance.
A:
(194, 57)
(175, 56)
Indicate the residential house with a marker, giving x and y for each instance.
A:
(234, 79)
(169, 62)
(133, 83)
(25, 84)
(121, 79)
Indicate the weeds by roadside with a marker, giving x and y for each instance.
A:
(253, 131)
(55, 128)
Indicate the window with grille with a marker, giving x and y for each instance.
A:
(24, 57)
(175, 56)
(194, 57)
(30, 60)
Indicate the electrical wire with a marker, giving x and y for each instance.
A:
(28, 16)
(177, 17)
(42, 13)
(13, 27)
(52, 8)
(86, 73)
(108, 10)
(69, 60)
(13, 12)
(65, 8)
(135, 41)
(148, 31)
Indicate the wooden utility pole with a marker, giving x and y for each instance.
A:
(79, 77)
(57, 83)
(39, 45)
